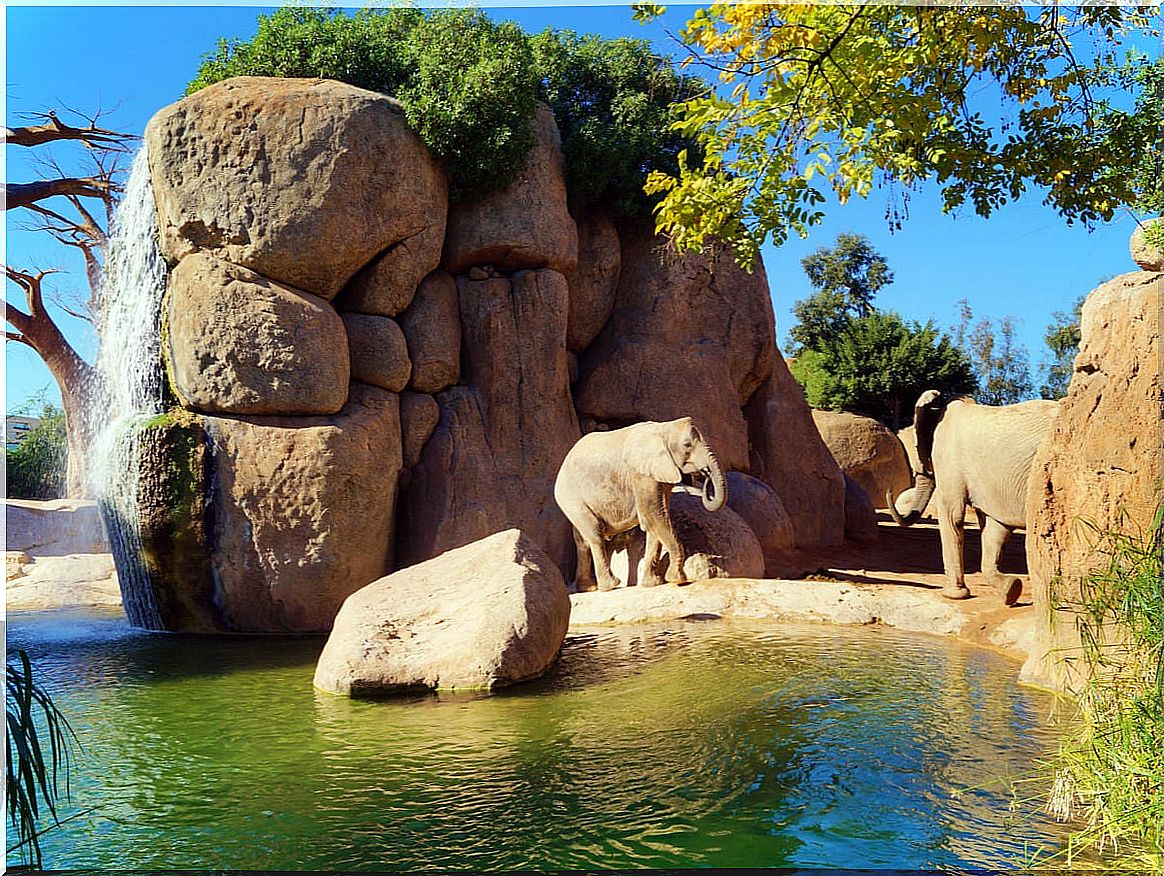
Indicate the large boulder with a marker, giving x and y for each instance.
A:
(860, 515)
(761, 508)
(866, 451)
(483, 616)
(492, 461)
(419, 415)
(432, 327)
(388, 284)
(53, 528)
(302, 180)
(594, 282)
(1146, 255)
(303, 511)
(691, 335)
(1100, 470)
(378, 351)
(239, 343)
(525, 225)
(788, 454)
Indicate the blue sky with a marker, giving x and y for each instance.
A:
(1023, 262)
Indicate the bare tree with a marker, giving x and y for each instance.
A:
(75, 210)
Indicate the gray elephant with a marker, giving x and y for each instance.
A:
(977, 455)
(612, 481)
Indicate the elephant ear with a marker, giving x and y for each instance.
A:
(649, 455)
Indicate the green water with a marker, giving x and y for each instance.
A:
(701, 744)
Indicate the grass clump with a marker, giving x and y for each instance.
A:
(1109, 771)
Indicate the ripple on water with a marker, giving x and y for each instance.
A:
(708, 744)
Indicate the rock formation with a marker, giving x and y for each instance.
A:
(866, 451)
(1100, 471)
(366, 379)
(481, 616)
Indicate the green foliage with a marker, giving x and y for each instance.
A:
(1001, 364)
(846, 278)
(1062, 339)
(613, 101)
(37, 756)
(878, 366)
(1110, 768)
(468, 87)
(826, 98)
(36, 468)
(1148, 171)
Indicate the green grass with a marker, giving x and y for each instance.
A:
(1108, 775)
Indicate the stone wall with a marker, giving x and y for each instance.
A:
(1100, 470)
(380, 378)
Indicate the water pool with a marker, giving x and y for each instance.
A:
(701, 743)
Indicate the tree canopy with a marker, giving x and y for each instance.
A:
(816, 98)
(468, 87)
(1062, 339)
(851, 356)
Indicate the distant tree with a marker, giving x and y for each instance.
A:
(1062, 339)
(845, 277)
(879, 365)
(82, 206)
(1148, 172)
(37, 466)
(1001, 364)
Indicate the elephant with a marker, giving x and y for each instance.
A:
(977, 455)
(612, 481)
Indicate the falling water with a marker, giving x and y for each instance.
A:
(129, 367)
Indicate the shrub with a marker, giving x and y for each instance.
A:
(36, 468)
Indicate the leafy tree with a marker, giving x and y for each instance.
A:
(467, 84)
(1000, 363)
(468, 87)
(613, 101)
(36, 467)
(1148, 172)
(879, 366)
(74, 205)
(1062, 338)
(846, 278)
(830, 97)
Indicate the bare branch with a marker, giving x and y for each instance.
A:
(53, 129)
(25, 194)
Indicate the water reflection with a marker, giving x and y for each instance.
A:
(694, 744)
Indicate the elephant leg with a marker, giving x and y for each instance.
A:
(590, 531)
(994, 536)
(654, 510)
(651, 557)
(951, 523)
(583, 567)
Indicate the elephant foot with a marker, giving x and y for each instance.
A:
(650, 581)
(605, 586)
(585, 586)
(962, 592)
(1012, 589)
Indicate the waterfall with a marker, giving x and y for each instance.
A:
(129, 369)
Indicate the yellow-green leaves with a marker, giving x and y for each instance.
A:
(828, 98)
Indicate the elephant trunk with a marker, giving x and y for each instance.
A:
(913, 501)
(714, 484)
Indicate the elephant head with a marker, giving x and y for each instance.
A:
(676, 448)
(908, 506)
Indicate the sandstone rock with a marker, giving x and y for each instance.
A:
(301, 180)
(432, 325)
(419, 414)
(387, 286)
(789, 455)
(1102, 463)
(16, 564)
(238, 343)
(53, 528)
(526, 225)
(491, 463)
(760, 507)
(860, 515)
(594, 281)
(303, 511)
(66, 581)
(485, 615)
(1144, 254)
(378, 351)
(689, 336)
(866, 451)
(719, 544)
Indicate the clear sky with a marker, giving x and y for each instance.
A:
(1024, 261)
